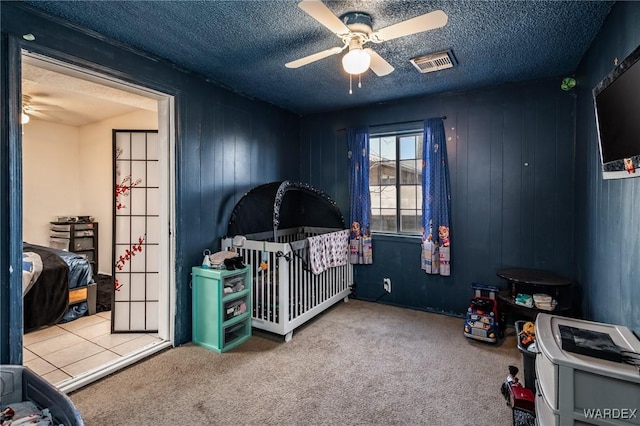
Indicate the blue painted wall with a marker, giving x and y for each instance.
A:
(607, 237)
(554, 213)
(225, 143)
(511, 156)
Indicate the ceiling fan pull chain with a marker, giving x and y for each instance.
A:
(359, 82)
(350, 91)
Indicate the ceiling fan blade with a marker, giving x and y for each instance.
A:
(321, 13)
(43, 116)
(429, 21)
(378, 64)
(43, 107)
(312, 58)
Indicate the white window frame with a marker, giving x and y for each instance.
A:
(398, 184)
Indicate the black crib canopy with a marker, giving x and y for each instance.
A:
(283, 205)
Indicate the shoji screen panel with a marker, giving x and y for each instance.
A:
(136, 230)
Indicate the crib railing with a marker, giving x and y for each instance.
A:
(285, 293)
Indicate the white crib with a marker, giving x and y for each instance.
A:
(286, 295)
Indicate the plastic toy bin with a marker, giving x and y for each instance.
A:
(528, 360)
(19, 384)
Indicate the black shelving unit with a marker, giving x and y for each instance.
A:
(76, 237)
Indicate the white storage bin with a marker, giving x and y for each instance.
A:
(59, 243)
(60, 234)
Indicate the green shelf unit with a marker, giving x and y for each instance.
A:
(219, 321)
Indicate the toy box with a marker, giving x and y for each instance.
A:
(483, 321)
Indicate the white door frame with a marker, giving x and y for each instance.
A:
(167, 288)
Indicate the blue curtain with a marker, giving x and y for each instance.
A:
(436, 200)
(360, 244)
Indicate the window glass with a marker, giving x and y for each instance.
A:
(374, 191)
(374, 149)
(388, 148)
(409, 222)
(410, 172)
(408, 196)
(395, 183)
(387, 170)
(407, 147)
(374, 171)
(388, 197)
(388, 220)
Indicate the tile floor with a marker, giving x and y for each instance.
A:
(63, 351)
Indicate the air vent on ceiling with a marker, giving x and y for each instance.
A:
(434, 62)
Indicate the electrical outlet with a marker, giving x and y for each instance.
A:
(387, 284)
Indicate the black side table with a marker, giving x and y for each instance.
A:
(531, 281)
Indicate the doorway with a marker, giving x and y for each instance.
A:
(74, 145)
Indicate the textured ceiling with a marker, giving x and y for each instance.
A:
(56, 96)
(243, 45)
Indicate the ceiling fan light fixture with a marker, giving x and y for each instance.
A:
(356, 61)
(24, 119)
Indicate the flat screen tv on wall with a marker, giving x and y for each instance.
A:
(617, 106)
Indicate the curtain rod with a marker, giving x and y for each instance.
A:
(444, 117)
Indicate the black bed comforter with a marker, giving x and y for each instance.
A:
(47, 301)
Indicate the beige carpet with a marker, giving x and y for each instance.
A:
(359, 363)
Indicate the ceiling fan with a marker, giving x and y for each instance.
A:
(29, 108)
(355, 29)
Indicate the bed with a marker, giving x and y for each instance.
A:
(274, 222)
(57, 286)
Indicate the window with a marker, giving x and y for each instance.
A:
(395, 182)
